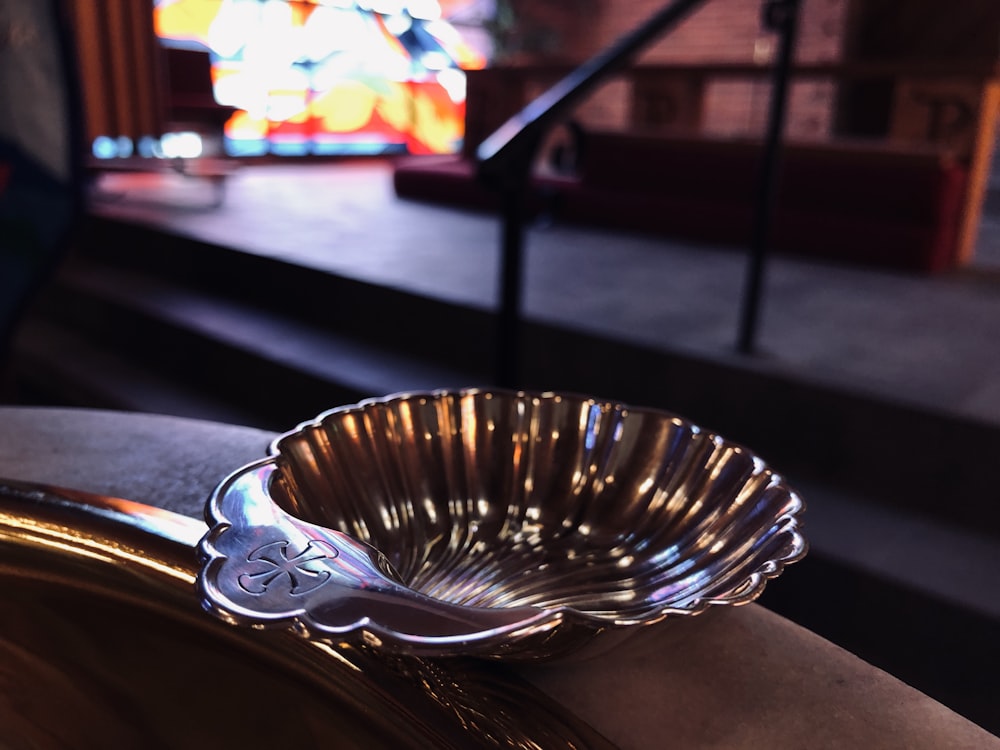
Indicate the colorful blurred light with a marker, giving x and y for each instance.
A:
(331, 76)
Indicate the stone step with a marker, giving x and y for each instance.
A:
(898, 454)
(913, 595)
(59, 366)
(411, 324)
(274, 367)
(940, 648)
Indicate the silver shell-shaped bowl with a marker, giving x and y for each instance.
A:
(493, 523)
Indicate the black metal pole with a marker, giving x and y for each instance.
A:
(781, 15)
(505, 159)
(507, 366)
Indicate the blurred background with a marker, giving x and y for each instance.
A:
(253, 210)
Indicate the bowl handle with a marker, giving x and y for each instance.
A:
(264, 567)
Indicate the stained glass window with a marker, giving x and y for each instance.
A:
(333, 76)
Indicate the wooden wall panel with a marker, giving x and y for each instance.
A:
(120, 67)
(91, 68)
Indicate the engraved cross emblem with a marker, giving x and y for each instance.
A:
(294, 571)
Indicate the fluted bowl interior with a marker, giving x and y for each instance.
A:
(503, 499)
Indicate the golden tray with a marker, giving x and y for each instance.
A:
(103, 643)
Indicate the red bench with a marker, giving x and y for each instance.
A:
(850, 202)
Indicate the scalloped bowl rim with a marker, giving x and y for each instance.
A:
(747, 591)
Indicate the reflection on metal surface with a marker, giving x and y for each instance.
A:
(493, 523)
(103, 644)
(267, 566)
